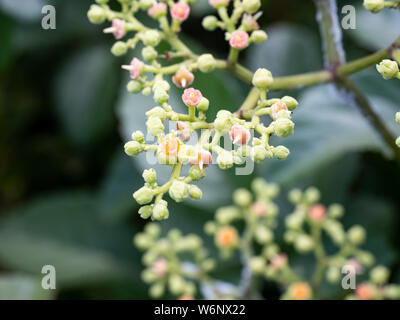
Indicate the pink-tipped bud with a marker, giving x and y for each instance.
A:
(259, 209)
(186, 297)
(183, 130)
(191, 97)
(218, 3)
(160, 267)
(117, 29)
(180, 11)
(317, 212)
(157, 10)
(364, 292)
(356, 265)
(171, 146)
(278, 261)
(204, 159)
(276, 107)
(250, 22)
(239, 135)
(183, 78)
(239, 39)
(135, 68)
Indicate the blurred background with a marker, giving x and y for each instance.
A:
(66, 185)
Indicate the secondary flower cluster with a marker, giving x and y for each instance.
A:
(171, 147)
(376, 6)
(308, 228)
(166, 266)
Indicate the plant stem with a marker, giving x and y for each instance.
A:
(320, 256)
(233, 56)
(366, 109)
(330, 31)
(331, 36)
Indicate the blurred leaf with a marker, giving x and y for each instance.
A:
(6, 34)
(84, 92)
(202, 7)
(28, 10)
(376, 31)
(115, 195)
(371, 82)
(31, 37)
(65, 231)
(377, 216)
(290, 49)
(22, 287)
(325, 130)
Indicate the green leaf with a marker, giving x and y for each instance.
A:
(65, 231)
(22, 287)
(377, 216)
(376, 31)
(326, 130)
(26, 10)
(115, 195)
(85, 88)
(6, 35)
(202, 7)
(290, 49)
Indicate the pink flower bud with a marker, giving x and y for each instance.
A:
(185, 297)
(364, 292)
(276, 107)
(317, 212)
(227, 237)
(191, 97)
(160, 267)
(183, 130)
(250, 22)
(259, 209)
(157, 10)
(183, 78)
(135, 68)
(239, 135)
(180, 11)
(239, 39)
(218, 3)
(171, 146)
(117, 28)
(300, 291)
(204, 159)
(356, 265)
(278, 261)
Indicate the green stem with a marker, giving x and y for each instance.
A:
(233, 56)
(176, 171)
(330, 32)
(192, 113)
(373, 118)
(320, 256)
(245, 110)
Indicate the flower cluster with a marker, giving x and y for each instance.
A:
(376, 6)
(308, 228)
(171, 147)
(148, 76)
(165, 267)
